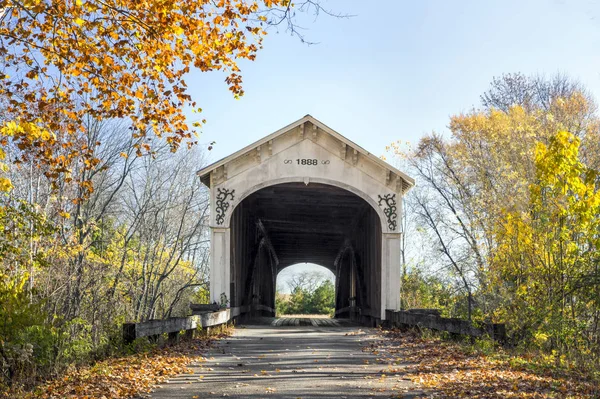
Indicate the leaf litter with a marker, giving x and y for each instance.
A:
(451, 370)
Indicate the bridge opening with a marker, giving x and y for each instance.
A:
(305, 289)
(285, 224)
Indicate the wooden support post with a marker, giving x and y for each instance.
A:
(173, 337)
(128, 332)
(153, 338)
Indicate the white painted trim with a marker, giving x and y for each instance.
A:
(390, 272)
(220, 263)
(308, 118)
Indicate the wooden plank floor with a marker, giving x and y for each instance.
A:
(300, 321)
(262, 361)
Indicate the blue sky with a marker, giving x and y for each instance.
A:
(397, 69)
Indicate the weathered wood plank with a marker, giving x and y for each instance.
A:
(215, 318)
(201, 307)
(157, 327)
(425, 318)
(434, 312)
(174, 325)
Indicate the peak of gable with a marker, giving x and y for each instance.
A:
(306, 128)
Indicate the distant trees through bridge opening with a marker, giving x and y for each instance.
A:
(305, 289)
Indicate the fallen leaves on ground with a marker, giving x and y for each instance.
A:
(449, 370)
(125, 377)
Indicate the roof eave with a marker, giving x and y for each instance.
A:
(206, 170)
(204, 173)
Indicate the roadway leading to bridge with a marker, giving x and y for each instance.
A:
(304, 361)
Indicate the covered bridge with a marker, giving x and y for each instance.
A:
(306, 194)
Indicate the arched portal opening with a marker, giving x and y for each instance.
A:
(285, 224)
(305, 289)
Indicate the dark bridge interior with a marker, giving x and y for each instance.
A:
(291, 223)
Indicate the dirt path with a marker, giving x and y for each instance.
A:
(291, 362)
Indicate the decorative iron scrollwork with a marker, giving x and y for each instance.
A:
(389, 209)
(222, 203)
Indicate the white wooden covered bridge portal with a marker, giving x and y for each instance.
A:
(306, 194)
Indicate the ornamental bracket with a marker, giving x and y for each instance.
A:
(388, 202)
(222, 203)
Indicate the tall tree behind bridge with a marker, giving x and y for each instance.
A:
(135, 248)
(468, 184)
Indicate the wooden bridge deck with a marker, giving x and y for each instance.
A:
(295, 321)
(263, 361)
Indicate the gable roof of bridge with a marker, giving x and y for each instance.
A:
(204, 173)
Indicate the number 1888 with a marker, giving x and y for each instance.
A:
(308, 162)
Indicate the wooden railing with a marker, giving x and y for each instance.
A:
(431, 319)
(175, 325)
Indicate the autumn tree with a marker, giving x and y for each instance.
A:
(136, 248)
(443, 206)
(537, 93)
(468, 182)
(532, 92)
(67, 62)
(546, 261)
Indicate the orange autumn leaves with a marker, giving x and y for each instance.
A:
(448, 370)
(125, 377)
(68, 63)
(120, 378)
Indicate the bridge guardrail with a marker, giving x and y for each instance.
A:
(431, 319)
(174, 325)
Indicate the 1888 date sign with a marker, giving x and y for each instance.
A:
(306, 161)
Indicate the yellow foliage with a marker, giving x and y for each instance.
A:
(126, 59)
(5, 184)
(29, 130)
(546, 253)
